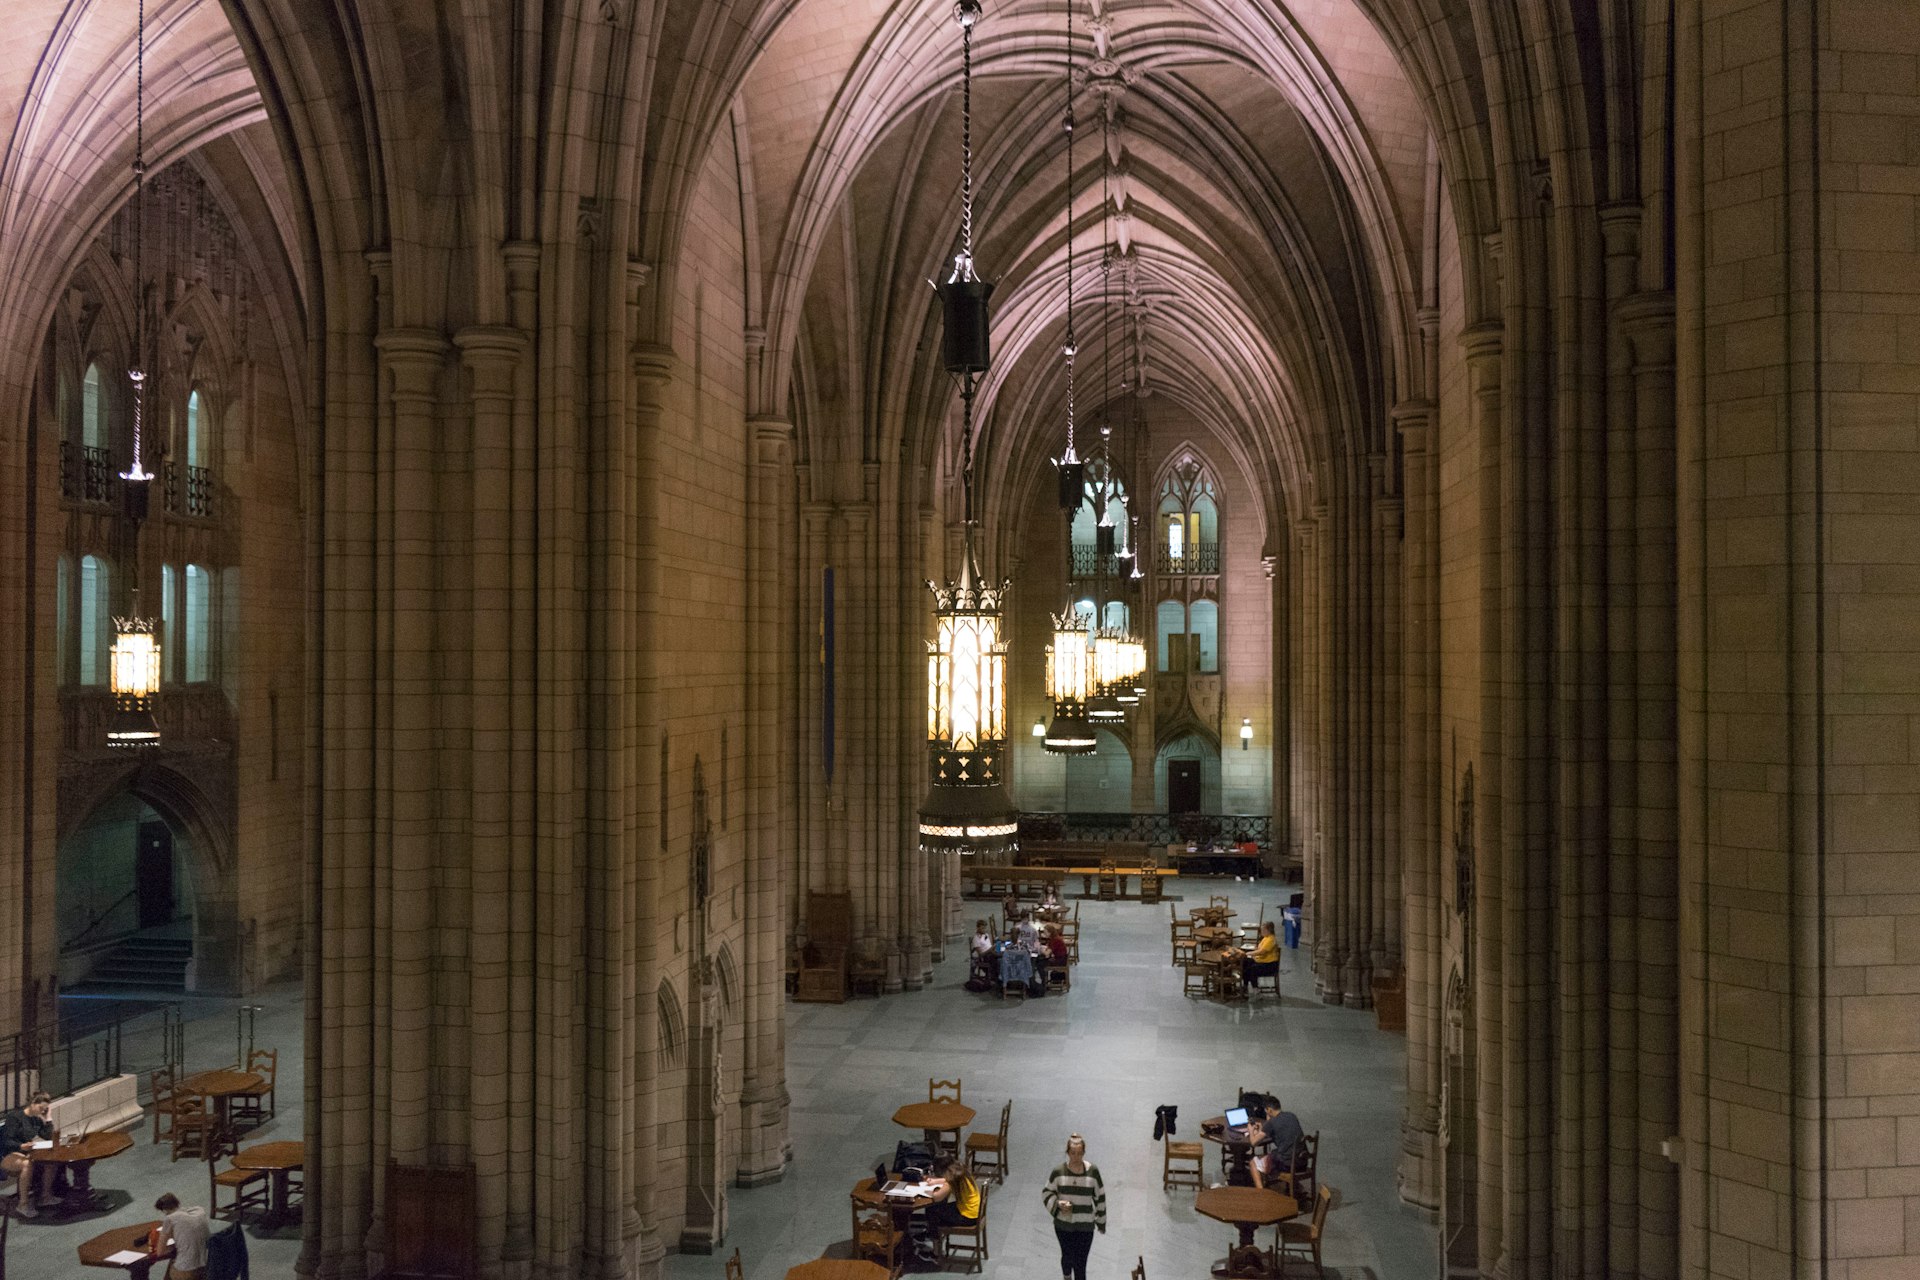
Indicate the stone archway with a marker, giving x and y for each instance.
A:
(192, 811)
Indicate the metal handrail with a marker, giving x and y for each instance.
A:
(96, 921)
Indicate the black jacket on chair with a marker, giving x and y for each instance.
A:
(227, 1255)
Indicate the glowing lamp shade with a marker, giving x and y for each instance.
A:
(1246, 732)
(133, 672)
(967, 809)
(1069, 684)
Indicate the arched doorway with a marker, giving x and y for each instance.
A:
(124, 899)
(1186, 775)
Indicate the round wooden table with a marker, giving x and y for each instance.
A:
(95, 1252)
(221, 1085)
(282, 1160)
(838, 1269)
(1249, 1209)
(935, 1119)
(78, 1157)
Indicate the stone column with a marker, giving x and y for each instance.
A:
(764, 1148)
(1422, 822)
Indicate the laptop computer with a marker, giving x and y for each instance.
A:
(1237, 1119)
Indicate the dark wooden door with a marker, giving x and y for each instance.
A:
(1183, 786)
(153, 874)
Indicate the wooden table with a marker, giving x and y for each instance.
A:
(1120, 875)
(1249, 1209)
(221, 1085)
(95, 1252)
(934, 1119)
(865, 1193)
(282, 1160)
(78, 1158)
(838, 1269)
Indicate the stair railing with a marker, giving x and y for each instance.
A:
(98, 920)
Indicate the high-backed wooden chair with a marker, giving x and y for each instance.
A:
(736, 1270)
(1219, 900)
(1183, 1164)
(430, 1210)
(1108, 883)
(1199, 979)
(165, 1093)
(1059, 977)
(967, 1240)
(878, 1238)
(824, 962)
(256, 1105)
(1180, 933)
(1140, 1269)
(987, 1152)
(248, 1187)
(944, 1090)
(1306, 1164)
(196, 1130)
(1150, 881)
(1302, 1239)
(1070, 931)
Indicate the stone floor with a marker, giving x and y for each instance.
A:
(46, 1246)
(1097, 1061)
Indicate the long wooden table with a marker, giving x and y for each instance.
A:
(1029, 882)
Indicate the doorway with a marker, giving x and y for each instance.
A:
(153, 874)
(1183, 786)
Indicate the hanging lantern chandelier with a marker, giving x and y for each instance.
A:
(133, 668)
(967, 809)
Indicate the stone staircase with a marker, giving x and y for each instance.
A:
(142, 963)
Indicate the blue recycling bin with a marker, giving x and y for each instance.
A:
(1290, 926)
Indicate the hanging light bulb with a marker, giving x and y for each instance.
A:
(133, 669)
(967, 809)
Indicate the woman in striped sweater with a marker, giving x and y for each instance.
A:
(1077, 1199)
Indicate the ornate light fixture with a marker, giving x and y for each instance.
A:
(967, 809)
(1069, 680)
(134, 666)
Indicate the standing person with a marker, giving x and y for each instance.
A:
(19, 1130)
(1077, 1199)
(186, 1230)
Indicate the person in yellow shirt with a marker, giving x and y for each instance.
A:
(1265, 960)
(956, 1196)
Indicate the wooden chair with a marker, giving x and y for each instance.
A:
(1140, 1269)
(971, 1237)
(1306, 1163)
(1180, 933)
(878, 1238)
(736, 1270)
(1302, 1239)
(196, 1130)
(1219, 900)
(1016, 969)
(1199, 979)
(943, 1090)
(247, 1106)
(165, 1093)
(1058, 979)
(1150, 881)
(250, 1188)
(1070, 930)
(824, 963)
(987, 1152)
(1229, 983)
(1108, 885)
(1183, 1164)
(867, 973)
(1264, 982)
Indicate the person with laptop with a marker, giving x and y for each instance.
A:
(956, 1196)
(1282, 1132)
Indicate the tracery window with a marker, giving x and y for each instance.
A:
(1188, 519)
(96, 613)
(1104, 498)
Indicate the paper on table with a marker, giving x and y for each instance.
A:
(42, 1144)
(127, 1257)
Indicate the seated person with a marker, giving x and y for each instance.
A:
(982, 937)
(19, 1130)
(1055, 941)
(1265, 960)
(1050, 896)
(956, 1196)
(1282, 1133)
(1025, 936)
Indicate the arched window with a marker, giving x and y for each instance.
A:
(1188, 518)
(1203, 635)
(1103, 501)
(196, 441)
(93, 409)
(1170, 630)
(63, 622)
(1115, 615)
(198, 624)
(169, 623)
(96, 614)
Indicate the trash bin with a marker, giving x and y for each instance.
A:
(1290, 925)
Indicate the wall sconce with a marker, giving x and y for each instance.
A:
(1246, 732)
(1039, 728)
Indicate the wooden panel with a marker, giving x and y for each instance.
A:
(430, 1221)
